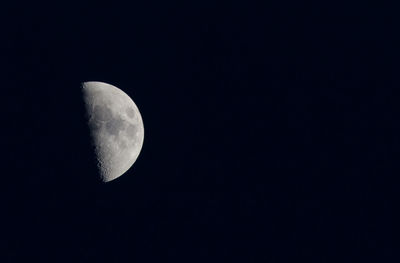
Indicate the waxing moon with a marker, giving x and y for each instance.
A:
(116, 128)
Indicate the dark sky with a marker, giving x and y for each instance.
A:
(271, 132)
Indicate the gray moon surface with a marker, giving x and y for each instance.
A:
(116, 128)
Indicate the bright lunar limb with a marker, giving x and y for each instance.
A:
(116, 128)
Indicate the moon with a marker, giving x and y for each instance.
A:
(116, 128)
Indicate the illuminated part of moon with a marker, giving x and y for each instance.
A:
(116, 128)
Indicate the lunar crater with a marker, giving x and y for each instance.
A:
(130, 112)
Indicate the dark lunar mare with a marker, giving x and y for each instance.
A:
(115, 125)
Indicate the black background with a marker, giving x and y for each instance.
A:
(271, 132)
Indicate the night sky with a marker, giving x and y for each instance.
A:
(272, 132)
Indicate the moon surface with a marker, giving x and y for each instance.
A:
(116, 128)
